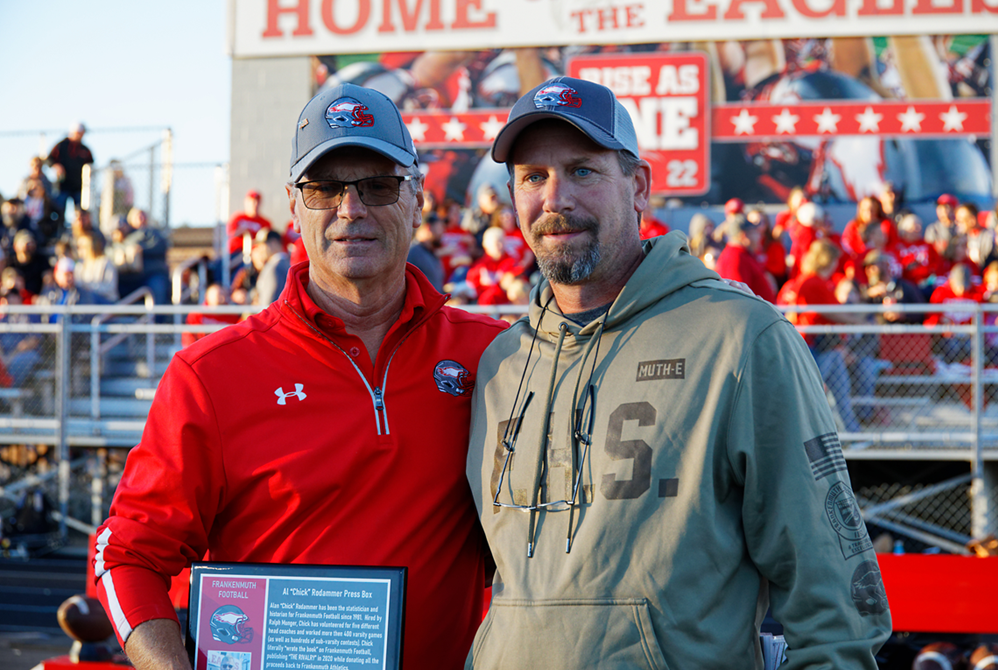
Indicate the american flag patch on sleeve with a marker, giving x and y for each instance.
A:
(825, 454)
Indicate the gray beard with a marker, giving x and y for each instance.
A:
(566, 270)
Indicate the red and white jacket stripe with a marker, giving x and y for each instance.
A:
(277, 440)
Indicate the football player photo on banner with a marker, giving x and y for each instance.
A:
(838, 117)
(295, 617)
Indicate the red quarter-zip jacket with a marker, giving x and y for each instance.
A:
(276, 440)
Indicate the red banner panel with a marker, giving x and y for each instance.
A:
(737, 123)
(941, 593)
(666, 96)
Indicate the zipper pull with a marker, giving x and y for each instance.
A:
(379, 403)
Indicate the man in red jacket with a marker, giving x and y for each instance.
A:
(332, 427)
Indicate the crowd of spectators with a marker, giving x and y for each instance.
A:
(49, 259)
(478, 255)
(882, 257)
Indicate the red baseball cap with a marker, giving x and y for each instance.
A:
(947, 199)
(253, 193)
(734, 206)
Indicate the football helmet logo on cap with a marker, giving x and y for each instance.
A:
(227, 625)
(348, 113)
(557, 95)
(453, 378)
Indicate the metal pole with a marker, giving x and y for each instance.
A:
(978, 492)
(98, 477)
(95, 373)
(167, 176)
(993, 47)
(222, 185)
(85, 195)
(150, 302)
(202, 280)
(225, 258)
(152, 180)
(63, 346)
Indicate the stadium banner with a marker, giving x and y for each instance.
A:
(257, 616)
(666, 96)
(838, 117)
(263, 28)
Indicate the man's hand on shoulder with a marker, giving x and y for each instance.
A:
(157, 645)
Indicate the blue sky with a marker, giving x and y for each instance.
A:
(118, 65)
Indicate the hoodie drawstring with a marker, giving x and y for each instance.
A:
(577, 435)
(546, 427)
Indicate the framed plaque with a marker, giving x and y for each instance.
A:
(268, 616)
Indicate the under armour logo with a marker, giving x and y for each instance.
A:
(282, 397)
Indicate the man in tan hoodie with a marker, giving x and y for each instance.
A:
(652, 455)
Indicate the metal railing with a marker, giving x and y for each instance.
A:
(931, 396)
(191, 292)
(98, 349)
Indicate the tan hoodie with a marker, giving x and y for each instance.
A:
(714, 486)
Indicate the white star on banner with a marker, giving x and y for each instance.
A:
(827, 122)
(417, 129)
(869, 121)
(911, 120)
(744, 123)
(953, 119)
(785, 121)
(491, 128)
(454, 130)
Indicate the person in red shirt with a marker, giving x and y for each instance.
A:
(812, 225)
(214, 296)
(786, 220)
(651, 226)
(770, 252)
(457, 246)
(738, 262)
(874, 239)
(293, 243)
(920, 262)
(247, 221)
(867, 210)
(814, 286)
(732, 208)
(958, 290)
(488, 272)
(331, 428)
(513, 243)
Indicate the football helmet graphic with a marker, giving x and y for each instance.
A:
(348, 113)
(557, 95)
(453, 378)
(228, 625)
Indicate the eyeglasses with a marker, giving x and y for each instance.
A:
(582, 434)
(373, 191)
(582, 431)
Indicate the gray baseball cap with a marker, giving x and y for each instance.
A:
(350, 116)
(590, 107)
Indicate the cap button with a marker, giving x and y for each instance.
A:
(355, 351)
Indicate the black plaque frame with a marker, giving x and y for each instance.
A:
(323, 579)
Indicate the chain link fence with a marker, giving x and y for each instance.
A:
(915, 394)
